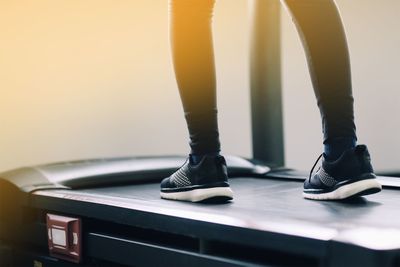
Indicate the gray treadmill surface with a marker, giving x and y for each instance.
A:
(269, 205)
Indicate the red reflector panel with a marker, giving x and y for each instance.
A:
(65, 237)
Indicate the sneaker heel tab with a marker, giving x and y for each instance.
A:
(220, 159)
(364, 158)
(362, 150)
(222, 169)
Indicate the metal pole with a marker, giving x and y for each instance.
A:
(265, 82)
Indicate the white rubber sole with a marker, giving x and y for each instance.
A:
(198, 195)
(346, 191)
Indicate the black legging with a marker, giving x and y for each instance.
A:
(320, 27)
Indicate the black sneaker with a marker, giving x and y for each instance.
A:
(349, 176)
(205, 181)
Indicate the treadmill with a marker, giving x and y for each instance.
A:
(108, 212)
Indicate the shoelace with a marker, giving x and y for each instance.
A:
(312, 169)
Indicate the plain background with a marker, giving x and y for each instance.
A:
(85, 79)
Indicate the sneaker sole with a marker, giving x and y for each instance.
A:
(216, 194)
(360, 188)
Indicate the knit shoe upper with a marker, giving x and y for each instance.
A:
(197, 182)
(352, 172)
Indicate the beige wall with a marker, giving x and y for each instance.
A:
(94, 78)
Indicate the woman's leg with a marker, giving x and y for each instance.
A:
(193, 59)
(324, 40)
(204, 174)
(346, 169)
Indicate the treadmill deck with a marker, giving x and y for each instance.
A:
(266, 205)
